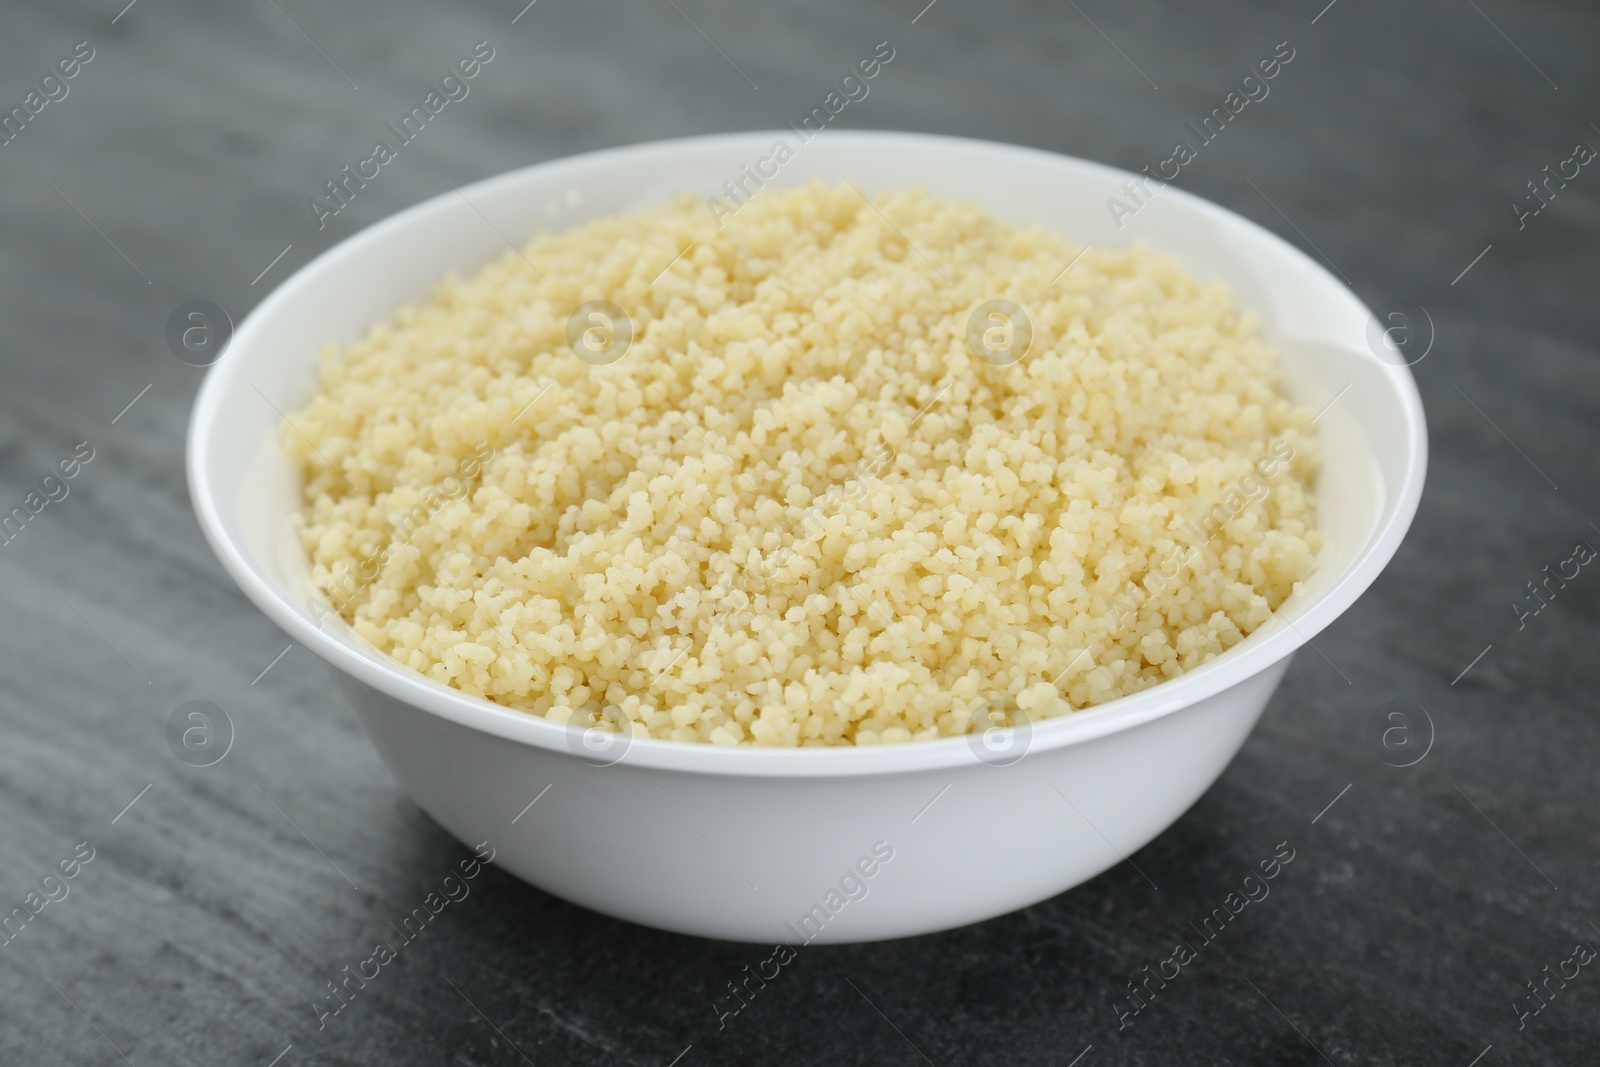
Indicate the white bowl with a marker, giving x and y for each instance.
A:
(746, 843)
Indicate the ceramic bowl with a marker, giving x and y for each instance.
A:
(819, 845)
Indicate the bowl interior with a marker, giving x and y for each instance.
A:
(1372, 433)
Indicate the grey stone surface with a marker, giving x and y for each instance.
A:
(206, 924)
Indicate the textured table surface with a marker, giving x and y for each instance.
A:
(1417, 906)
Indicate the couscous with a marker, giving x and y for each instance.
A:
(837, 472)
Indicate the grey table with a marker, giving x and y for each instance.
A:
(219, 902)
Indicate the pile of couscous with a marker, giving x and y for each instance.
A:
(770, 484)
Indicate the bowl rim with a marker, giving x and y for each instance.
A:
(1115, 716)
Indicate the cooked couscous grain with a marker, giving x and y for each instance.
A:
(799, 510)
